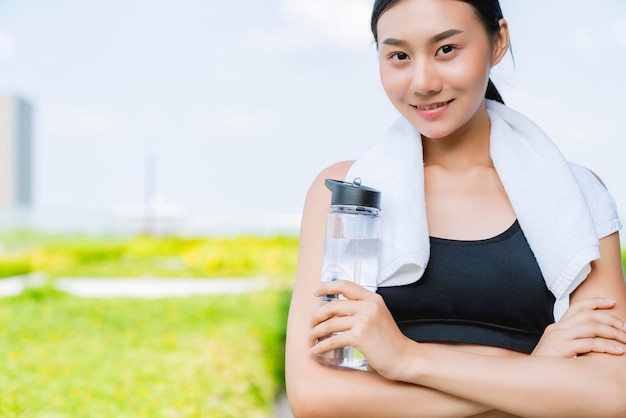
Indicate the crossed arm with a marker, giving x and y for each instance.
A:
(421, 380)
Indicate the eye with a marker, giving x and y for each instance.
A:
(445, 50)
(399, 56)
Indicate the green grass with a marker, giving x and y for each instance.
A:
(218, 356)
(211, 356)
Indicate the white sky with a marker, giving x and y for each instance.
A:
(243, 102)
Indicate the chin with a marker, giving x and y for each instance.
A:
(436, 135)
(431, 132)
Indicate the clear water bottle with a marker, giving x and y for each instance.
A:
(351, 250)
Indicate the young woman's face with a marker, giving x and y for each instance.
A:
(435, 58)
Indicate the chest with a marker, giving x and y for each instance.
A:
(487, 292)
(466, 205)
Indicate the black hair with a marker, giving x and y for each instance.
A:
(488, 12)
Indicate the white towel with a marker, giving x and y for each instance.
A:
(562, 208)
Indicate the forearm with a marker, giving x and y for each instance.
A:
(315, 390)
(320, 391)
(592, 385)
(527, 386)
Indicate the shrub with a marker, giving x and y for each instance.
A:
(15, 265)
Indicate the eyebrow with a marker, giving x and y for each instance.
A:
(437, 38)
(445, 35)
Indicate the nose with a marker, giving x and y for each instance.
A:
(425, 80)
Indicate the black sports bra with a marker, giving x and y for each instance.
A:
(488, 292)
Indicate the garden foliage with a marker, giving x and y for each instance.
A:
(202, 356)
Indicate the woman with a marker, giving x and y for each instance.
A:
(435, 57)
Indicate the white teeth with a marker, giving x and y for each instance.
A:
(432, 106)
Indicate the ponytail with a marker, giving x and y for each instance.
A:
(492, 93)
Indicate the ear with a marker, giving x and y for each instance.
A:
(500, 43)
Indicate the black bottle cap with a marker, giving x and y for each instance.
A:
(353, 194)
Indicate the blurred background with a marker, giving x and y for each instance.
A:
(222, 112)
(176, 140)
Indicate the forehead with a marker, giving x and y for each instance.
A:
(416, 19)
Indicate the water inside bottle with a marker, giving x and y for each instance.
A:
(344, 357)
(354, 260)
(351, 259)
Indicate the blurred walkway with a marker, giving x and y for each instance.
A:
(157, 288)
(147, 288)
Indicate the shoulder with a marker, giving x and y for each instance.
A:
(598, 199)
(318, 196)
(336, 171)
(590, 183)
(584, 174)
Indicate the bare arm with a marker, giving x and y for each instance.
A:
(315, 390)
(536, 386)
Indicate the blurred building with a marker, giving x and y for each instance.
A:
(16, 152)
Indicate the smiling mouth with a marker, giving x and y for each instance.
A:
(431, 106)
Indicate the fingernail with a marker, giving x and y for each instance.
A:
(619, 349)
(607, 300)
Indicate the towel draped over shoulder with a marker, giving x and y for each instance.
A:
(563, 208)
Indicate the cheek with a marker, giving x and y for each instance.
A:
(393, 82)
(471, 73)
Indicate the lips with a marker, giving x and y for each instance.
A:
(431, 106)
(432, 111)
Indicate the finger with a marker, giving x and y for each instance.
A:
(606, 332)
(346, 288)
(605, 318)
(588, 304)
(331, 309)
(593, 317)
(334, 325)
(595, 345)
(591, 330)
(332, 342)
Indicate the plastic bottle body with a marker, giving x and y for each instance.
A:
(351, 252)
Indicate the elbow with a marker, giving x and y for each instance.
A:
(617, 408)
(302, 400)
(613, 399)
(309, 394)
(297, 402)
(302, 395)
(618, 399)
(308, 398)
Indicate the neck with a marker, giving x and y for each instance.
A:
(466, 147)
